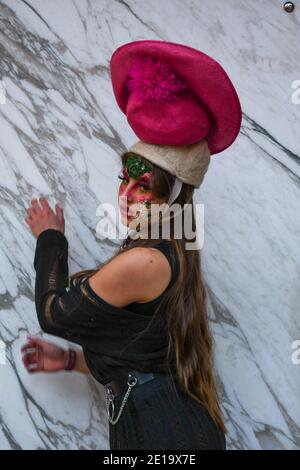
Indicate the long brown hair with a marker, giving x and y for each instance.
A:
(189, 333)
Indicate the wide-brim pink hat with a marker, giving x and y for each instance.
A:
(173, 94)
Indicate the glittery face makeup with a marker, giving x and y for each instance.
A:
(136, 188)
(136, 166)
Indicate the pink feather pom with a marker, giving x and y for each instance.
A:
(153, 81)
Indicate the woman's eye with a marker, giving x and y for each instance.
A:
(144, 187)
(123, 178)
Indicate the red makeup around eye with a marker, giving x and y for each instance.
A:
(145, 178)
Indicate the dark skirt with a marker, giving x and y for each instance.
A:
(158, 415)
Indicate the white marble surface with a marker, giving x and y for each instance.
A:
(61, 134)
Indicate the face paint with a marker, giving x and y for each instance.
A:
(139, 192)
(136, 166)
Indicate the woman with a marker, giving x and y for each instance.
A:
(179, 421)
(141, 319)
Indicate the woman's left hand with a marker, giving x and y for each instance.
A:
(41, 217)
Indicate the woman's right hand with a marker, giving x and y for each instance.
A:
(39, 355)
(41, 217)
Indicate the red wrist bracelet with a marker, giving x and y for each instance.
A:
(71, 360)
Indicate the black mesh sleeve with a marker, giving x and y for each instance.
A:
(57, 306)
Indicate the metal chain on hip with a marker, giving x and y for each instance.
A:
(110, 400)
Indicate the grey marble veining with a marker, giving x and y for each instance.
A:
(61, 134)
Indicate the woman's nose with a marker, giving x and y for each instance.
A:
(128, 193)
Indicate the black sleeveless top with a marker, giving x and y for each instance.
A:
(148, 308)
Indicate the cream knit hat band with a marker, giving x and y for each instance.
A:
(188, 162)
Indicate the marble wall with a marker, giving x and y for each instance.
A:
(61, 134)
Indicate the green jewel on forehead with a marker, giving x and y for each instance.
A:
(136, 166)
